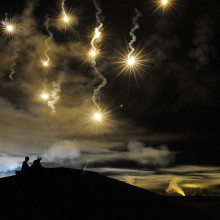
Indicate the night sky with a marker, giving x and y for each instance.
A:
(159, 123)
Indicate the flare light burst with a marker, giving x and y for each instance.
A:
(133, 64)
(98, 116)
(45, 63)
(44, 96)
(164, 2)
(98, 120)
(10, 28)
(131, 60)
(165, 5)
(66, 20)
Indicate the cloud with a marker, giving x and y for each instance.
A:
(55, 94)
(62, 151)
(135, 153)
(204, 49)
(160, 156)
(8, 163)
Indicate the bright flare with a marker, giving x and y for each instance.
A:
(45, 63)
(92, 53)
(97, 117)
(66, 19)
(164, 2)
(10, 28)
(44, 96)
(97, 33)
(131, 61)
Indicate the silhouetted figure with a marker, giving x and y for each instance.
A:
(36, 164)
(25, 167)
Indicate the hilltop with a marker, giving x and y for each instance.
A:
(62, 193)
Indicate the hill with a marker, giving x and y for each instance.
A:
(62, 193)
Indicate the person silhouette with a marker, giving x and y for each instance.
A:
(36, 164)
(25, 167)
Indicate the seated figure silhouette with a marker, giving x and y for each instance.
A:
(25, 167)
(36, 164)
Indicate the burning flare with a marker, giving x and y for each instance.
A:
(97, 117)
(44, 96)
(164, 2)
(131, 61)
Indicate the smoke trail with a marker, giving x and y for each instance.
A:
(48, 39)
(46, 63)
(55, 95)
(174, 187)
(12, 70)
(63, 9)
(94, 49)
(104, 82)
(98, 12)
(136, 26)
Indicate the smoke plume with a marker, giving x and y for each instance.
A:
(62, 151)
(160, 156)
(8, 163)
(55, 94)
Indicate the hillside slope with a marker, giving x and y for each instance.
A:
(62, 193)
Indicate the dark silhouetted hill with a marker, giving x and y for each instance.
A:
(62, 193)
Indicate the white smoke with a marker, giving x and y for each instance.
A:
(13, 64)
(55, 94)
(136, 26)
(160, 156)
(204, 49)
(97, 72)
(104, 82)
(48, 39)
(62, 151)
(8, 163)
(63, 9)
(98, 11)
